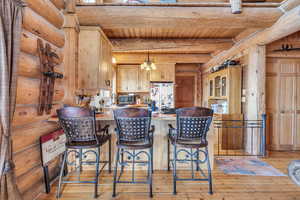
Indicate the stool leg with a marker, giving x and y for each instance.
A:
(209, 172)
(197, 166)
(151, 152)
(115, 173)
(109, 155)
(61, 173)
(174, 169)
(80, 160)
(97, 172)
(168, 153)
(150, 171)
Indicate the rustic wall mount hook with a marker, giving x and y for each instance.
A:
(47, 76)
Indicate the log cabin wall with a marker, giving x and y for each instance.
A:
(42, 20)
(283, 94)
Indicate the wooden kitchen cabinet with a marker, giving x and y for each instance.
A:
(164, 72)
(127, 78)
(94, 60)
(130, 78)
(144, 80)
(283, 103)
(224, 90)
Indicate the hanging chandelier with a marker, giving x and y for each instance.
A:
(148, 65)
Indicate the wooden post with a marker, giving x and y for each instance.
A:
(255, 91)
(256, 103)
(236, 6)
(71, 28)
(70, 6)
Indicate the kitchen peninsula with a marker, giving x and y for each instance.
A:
(160, 121)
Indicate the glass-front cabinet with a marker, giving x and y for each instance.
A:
(223, 86)
(211, 88)
(218, 86)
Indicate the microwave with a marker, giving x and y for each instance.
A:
(126, 99)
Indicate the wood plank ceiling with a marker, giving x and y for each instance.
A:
(179, 28)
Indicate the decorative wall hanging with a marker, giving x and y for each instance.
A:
(287, 47)
(48, 76)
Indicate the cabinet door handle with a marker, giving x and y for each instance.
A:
(282, 112)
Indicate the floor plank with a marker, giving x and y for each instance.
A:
(226, 187)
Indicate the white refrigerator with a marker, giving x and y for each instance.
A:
(163, 94)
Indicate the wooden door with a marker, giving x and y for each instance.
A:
(297, 111)
(282, 103)
(286, 109)
(185, 91)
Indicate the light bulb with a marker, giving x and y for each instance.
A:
(153, 66)
(114, 60)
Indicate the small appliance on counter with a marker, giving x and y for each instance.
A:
(127, 99)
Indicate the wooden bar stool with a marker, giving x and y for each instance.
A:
(79, 125)
(190, 139)
(134, 137)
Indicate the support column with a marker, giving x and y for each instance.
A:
(256, 99)
(71, 29)
(256, 90)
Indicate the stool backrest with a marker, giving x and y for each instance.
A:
(78, 123)
(193, 123)
(133, 124)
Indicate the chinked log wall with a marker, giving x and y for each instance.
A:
(42, 20)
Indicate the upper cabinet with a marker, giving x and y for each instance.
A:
(95, 60)
(130, 78)
(164, 72)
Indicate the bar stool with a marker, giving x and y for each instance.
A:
(134, 137)
(192, 127)
(79, 125)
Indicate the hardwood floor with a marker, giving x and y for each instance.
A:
(226, 187)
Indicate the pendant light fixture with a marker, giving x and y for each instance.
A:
(148, 65)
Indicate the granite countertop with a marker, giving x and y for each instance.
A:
(107, 116)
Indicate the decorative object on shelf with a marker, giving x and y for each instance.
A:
(48, 76)
(148, 64)
(287, 47)
(224, 65)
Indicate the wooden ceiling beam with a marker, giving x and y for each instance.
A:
(138, 58)
(116, 17)
(287, 24)
(246, 33)
(170, 45)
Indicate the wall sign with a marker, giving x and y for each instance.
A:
(52, 145)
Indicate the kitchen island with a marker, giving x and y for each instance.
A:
(160, 145)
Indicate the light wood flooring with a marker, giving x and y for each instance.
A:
(226, 187)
